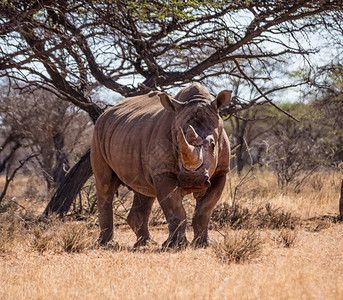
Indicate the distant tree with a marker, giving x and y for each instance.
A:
(39, 123)
(294, 150)
(247, 127)
(328, 105)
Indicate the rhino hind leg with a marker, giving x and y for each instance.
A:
(139, 216)
(106, 187)
(106, 182)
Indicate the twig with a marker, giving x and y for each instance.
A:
(9, 178)
(262, 93)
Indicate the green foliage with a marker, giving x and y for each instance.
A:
(297, 108)
(170, 9)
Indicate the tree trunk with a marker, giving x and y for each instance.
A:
(70, 187)
(341, 203)
(61, 166)
(239, 154)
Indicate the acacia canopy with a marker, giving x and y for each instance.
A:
(131, 47)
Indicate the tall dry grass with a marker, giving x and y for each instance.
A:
(318, 195)
(239, 246)
(270, 244)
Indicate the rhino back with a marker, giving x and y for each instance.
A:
(135, 141)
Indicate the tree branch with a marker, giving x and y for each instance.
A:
(262, 93)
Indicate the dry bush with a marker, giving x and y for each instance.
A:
(319, 224)
(60, 236)
(317, 182)
(318, 196)
(287, 238)
(8, 237)
(157, 217)
(264, 216)
(43, 240)
(255, 184)
(84, 204)
(20, 229)
(15, 222)
(236, 217)
(75, 238)
(239, 246)
(122, 205)
(273, 217)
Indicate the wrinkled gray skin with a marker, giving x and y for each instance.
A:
(162, 147)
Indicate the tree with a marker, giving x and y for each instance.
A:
(71, 47)
(328, 104)
(43, 128)
(247, 127)
(294, 151)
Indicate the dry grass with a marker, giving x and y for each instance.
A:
(263, 216)
(287, 238)
(239, 246)
(62, 237)
(288, 245)
(310, 269)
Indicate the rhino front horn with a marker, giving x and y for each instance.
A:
(191, 156)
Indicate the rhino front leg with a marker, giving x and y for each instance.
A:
(139, 216)
(170, 198)
(203, 211)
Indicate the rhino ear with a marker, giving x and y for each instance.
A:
(223, 99)
(170, 103)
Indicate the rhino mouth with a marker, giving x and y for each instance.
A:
(191, 182)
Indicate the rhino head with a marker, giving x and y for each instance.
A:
(197, 128)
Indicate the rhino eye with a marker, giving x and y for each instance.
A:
(212, 145)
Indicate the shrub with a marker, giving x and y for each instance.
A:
(62, 237)
(287, 238)
(264, 216)
(239, 246)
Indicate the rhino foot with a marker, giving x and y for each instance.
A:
(198, 243)
(112, 245)
(144, 243)
(175, 244)
(201, 242)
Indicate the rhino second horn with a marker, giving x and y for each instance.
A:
(191, 156)
(193, 137)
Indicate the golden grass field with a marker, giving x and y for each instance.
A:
(51, 259)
